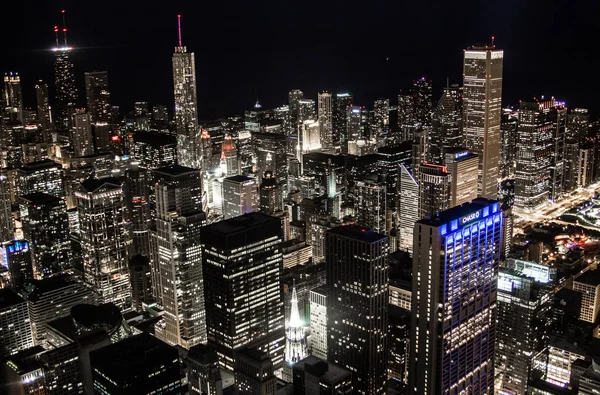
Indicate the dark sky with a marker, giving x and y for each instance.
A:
(249, 48)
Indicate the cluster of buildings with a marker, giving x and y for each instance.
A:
(321, 246)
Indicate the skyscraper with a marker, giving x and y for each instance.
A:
(295, 339)
(13, 97)
(434, 189)
(242, 261)
(189, 151)
(381, 121)
(462, 167)
(370, 205)
(7, 232)
(318, 322)
(15, 326)
(16, 257)
(357, 301)
(422, 100)
(578, 124)
(254, 373)
(177, 262)
(408, 208)
(454, 281)
(341, 103)
(240, 196)
(230, 164)
(105, 239)
(325, 118)
(43, 109)
(82, 139)
(540, 153)
(482, 104)
(446, 124)
(98, 106)
(64, 84)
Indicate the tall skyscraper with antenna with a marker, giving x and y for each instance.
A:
(189, 151)
(64, 81)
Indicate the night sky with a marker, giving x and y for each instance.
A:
(257, 48)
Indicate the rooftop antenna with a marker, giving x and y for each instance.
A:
(64, 26)
(179, 29)
(493, 38)
(56, 33)
(447, 82)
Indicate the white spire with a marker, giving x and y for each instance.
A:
(294, 314)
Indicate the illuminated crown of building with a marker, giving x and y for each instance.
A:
(295, 344)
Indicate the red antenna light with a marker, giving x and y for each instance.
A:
(493, 38)
(56, 33)
(64, 27)
(179, 28)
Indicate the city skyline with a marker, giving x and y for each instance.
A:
(358, 66)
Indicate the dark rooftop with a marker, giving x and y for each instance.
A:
(457, 212)
(40, 165)
(49, 284)
(238, 178)
(241, 223)
(93, 184)
(357, 233)
(154, 139)
(40, 198)
(9, 298)
(591, 277)
(176, 170)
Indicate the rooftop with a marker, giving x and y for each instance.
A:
(40, 198)
(154, 139)
(326, 371)
(176, 170)
(357, 233)
(93, 184)
(9, 298)
(590, 277)
(238, 178)
(241, 223)
(457, 212)
(40, 165)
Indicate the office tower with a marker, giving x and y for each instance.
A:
(64, 85)
(137, 194)
(230, 165)
(523, 325)
(306, 111)
(295, 339)
(46, 226)
(578, 124)
(435, 189)
(13, 97)
(589, 286)
(43, 109)
(318, 322)
(270, 196)
(389, 159)
(81, 133)
(269, 153)
(422, 100)
(540, 153)
(341, 103)
(315, 375)
(203, 374)
(52, 298)
(141, 282)
(571, 176)
(309, 138)
(229, 249)
(456, 258)
(325, 119)
(482, 103)
(43, 176)
(585, 167)
(97, 95)
(381, 120)
(186, 107)
(399, 339)
(15, 326)
(294, 97)
(153, 149)
(370, 205)
(24, 373)
(240, 196)
(6, 221)
(177, 264)
(357, 301)
(354, 129)
(141, 363)
(101, 210)
(254, 373)
(508, 142)
(16, 257)
(462, 166)
(446, 130)
(407, 209)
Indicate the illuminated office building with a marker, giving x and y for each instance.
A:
(408, 208)
(578, 124)
(270, 196)
(254, 373)
(98, 106)
(482, 104)
(46, 225)
(325, 119)
(82, 139)
(523, 325)
(13, 98)
(186, 107)
(153, 149)
(435, 189)
(354, 128)
(43, 109)
(341, 103)
(230, 165)
(540, 153)
(137, 193)
(508, 142)
(177, 262)
(65, 87)
(295, 340)
(389, 159)
(422, 100)
(315, 375)
(370, 205)
(446, 130)
(318, 322)
(244, 307)
(45, 176)
(16, 257)
(381, 121)
(357, 302)
(101, 207)
(462, 166)
(203, 373)
(269, 153)
(6, 221)
(456, 258)
(15, 326)
(240, 196)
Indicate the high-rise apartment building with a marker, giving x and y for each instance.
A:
(462, 166)
(189, 152)
(540, 153)
(341, 103)
(46, 225)
(357, 301)
(242, 261)
(370, 205)
(177, 262)
(435, 189)
(240, 196)
(482, 104)
(105, 239)
(325, 119)
(381, 121)
(454, 282)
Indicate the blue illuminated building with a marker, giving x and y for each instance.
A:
(16, 257)
(455, 271)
